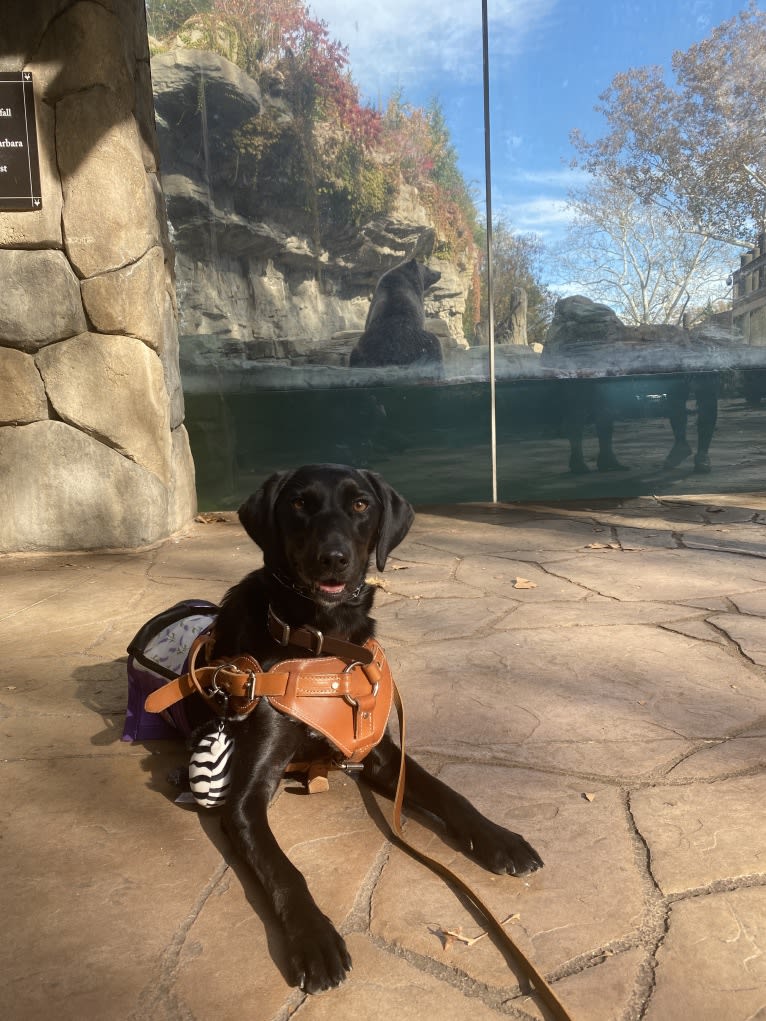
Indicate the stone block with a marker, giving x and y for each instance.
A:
(711, 965)
(746, 632)
(23, 25)
(703, 833)
(130, 300)
(22, 395)
(63, 490)
(383, 984)
(145, 115)
(41, 299)
(85, 46)
(626, 727)
(126, 870)
(568, 831)
(113, 388)
(109, 214)
(182, 504)
(169, 356)
(667, 575)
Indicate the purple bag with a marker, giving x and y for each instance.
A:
(159, 653)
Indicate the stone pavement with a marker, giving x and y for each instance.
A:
(615, 714)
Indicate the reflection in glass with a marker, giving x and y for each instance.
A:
(632, 151)
(325, 207)
(327, 238)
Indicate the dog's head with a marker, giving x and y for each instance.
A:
(320, 524)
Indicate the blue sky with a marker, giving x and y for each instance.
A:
(549, 60)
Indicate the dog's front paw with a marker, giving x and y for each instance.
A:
(502, 851)
(317, 955)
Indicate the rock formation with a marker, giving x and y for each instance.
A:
(589, 338)
(253, 273)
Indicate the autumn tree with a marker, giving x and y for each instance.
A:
(696, 147)
(638, 259)
(517, 261)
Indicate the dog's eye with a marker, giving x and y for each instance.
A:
(297, 503)
(360, 505)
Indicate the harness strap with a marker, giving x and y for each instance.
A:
(242, 680)
(348, 703)
(546, 994)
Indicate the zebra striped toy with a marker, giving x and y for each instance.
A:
(210, 767)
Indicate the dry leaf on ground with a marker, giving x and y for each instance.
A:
(452, 936)
(376, 581)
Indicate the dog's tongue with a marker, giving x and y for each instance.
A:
(331, 590)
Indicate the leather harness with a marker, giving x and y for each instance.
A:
(346, 697)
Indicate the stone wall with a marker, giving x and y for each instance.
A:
(93, 450)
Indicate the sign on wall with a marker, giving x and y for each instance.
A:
(19, 161)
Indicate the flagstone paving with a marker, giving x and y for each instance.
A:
(593, 676)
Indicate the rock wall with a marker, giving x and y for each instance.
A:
(262, 279)
(588, 338)
(93, 449)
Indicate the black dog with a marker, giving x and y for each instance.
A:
(318, 527)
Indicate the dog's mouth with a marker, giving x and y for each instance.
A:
(331, 591)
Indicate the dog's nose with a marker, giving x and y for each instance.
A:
(333, 559)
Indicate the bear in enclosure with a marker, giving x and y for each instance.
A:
(395, 333)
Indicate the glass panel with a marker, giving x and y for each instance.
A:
(321, 203)
(629, 191)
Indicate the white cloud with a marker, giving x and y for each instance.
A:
(562, 177)
(400, 41)
(544, 215)
(535, 201)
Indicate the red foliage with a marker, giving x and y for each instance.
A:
(283, 31)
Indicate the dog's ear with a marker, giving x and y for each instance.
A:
(257, 512)
(396, 517)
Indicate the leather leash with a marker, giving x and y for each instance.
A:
(545, 993)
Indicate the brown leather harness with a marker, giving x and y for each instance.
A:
(347, 698)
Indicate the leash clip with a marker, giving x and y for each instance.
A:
(215, 691)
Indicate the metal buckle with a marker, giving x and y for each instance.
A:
(318, 636)
(352, 701)
(250, 686)
(285, 637)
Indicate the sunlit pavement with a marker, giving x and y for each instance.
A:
(592, 677)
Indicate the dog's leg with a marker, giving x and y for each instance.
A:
(492, 846)
(317, 955)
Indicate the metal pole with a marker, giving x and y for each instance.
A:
(490, 292)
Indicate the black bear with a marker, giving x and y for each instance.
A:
(395, 332)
